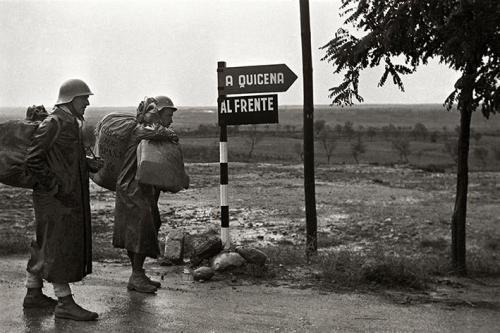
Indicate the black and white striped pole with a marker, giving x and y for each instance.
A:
(224, 207)
(244, 110)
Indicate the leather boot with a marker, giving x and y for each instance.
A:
(67, 308)
(156, 284)
(36, 299)
(139, 282)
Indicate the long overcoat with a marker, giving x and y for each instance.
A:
(137, 218)
(62, 252)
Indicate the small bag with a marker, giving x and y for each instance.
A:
(160, 163)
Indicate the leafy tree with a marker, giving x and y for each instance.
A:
(463, 34)
(348, 130)
(420, 131)
(339, 129)
(358, 148)
(253, 137)
(402, 147)
(319, 126)
(327, 139)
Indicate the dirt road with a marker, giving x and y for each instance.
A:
(225, 306)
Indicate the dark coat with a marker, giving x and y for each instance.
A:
(62, 252)
(137, 218)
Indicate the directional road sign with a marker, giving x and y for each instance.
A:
(255, 79)
(253, 109)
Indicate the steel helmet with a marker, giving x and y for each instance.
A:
(71, 89)
(164, 102)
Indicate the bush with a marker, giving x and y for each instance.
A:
(420, 131)
(402, 147)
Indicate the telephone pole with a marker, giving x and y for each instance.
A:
(309, 183)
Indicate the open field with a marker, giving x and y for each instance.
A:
(433, 116)
(378, 125)
(361, 209)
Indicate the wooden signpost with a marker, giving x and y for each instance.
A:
(253, 109)
(255, 79)
(243, 110)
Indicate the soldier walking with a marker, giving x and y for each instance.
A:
(62, 252)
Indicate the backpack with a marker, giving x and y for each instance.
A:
(15, 139)
(112, 134)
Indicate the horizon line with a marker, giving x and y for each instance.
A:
(215, 106)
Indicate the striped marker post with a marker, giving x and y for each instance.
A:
(224, 208)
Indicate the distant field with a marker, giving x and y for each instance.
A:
(281, 143)
(433, 116)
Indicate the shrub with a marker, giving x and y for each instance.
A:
(420, 131)
(402, 147)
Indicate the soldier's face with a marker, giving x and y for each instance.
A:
(166, 116)
(80, 103)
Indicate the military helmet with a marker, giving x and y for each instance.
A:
(71, 89)
(164, 102)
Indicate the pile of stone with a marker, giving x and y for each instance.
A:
(206, 256)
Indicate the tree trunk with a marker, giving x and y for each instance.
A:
(460, 211)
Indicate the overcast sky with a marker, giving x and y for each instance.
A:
(126, 50)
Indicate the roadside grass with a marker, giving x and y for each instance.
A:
(483, 263)
(347, 269)
(14, 243)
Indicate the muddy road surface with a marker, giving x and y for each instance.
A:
(182, 305)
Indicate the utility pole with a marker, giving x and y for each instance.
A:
(309, 184)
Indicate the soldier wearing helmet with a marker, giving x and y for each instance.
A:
(137, 218)
(166, 109)
(62, 252)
